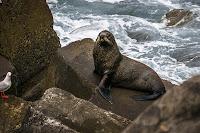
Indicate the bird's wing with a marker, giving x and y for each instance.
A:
(3, 86)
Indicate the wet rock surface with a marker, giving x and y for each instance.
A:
(178, 17)
(140, 36)
(190, 56)
(176, 111)
(59, 110)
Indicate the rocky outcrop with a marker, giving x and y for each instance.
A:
(5, 67)
(60, 111)
(27, 38)
(72, 71)
(177, 17)
(176, 112)
(12, 114)
(141, 36)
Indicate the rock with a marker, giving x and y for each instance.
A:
(34, 89)
(27, 37)
(12, 114)
(5, 67)
(168, 85)
(177, 17)
(140, 36)
(176, 112)
(189, 55)
(190, 60)
(72, 71)
(59, 110)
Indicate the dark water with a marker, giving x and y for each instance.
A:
(174, 53)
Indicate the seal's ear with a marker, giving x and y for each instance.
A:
(97, 39)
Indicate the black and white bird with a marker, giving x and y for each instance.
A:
(5, 85)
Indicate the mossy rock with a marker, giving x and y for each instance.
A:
(27, 37)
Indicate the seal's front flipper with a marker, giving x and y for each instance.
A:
(105, 93)
(105, 86)
(148, 97)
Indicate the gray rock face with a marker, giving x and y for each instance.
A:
(176, 112)
(73, 70)
(140, 36)
(60, 111)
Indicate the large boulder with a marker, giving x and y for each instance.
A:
(177, 17)
(27, 38)
(60, 111)
(12, 114)
(72, 71)
(176, 112)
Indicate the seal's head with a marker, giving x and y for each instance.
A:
(106, 53)
(105, 39)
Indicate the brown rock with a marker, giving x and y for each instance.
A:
(12, 114)
(176, 112)
(5, 66)
(27, 37)
(178, 17)
(168, 85)
(72, 71)
(59, 110)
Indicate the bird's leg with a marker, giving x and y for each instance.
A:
(5, 98)
(1, 93)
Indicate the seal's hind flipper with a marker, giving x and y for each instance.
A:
(148, 97)
(105, 93)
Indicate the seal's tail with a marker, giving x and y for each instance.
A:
(153, 96)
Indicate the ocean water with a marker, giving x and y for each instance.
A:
(174, 53)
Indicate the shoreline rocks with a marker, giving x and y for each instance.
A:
(176, 111)
(28, 44)
(59, 110)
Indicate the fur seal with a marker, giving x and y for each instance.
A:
(121, 71)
